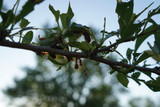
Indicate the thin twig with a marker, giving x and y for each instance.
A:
(109, 48)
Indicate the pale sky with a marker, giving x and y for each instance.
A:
(87, 12)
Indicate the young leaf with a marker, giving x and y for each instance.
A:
(24, 23)
(154, 56)
(70, 12)
(129, 53)
(149, 74)
(66, 18)
(64, 21)
(122, 78)
(154, 48)
(10, 18)
(141, 39)
(28, 37)
(154, 12)
(55, 13)
(154, 85)
(136, 75)
(142, 11)
(143, 57)
(136, 55)
(7, 18)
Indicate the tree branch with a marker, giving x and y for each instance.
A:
(36, 48)
(108, 48)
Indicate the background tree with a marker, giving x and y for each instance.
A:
(44, 87)
(138, 102)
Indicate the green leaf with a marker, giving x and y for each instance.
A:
(156, 57)
(153, 22)
(112, 71)
(84, 46)
(10, 18)
(143, 57)
(24, 23)
(154, 85)
(147, 73)
(136, 75)
(7, 18)
(55, 13)
(142, 11)
(141, 39)
(154, 48)
(74, 43)
(77, 28)
(26, 9)
(70, 13)
(66, 18)
(122, 78)
(127, 19)
(136, 55)
(80, 29)
(129, 53)
(64, 21)
(157, 40)
(74, 37)
(131, 29)
(54, 61)
(125, 13)
(154, 12)
(28, 37)
(1, 4)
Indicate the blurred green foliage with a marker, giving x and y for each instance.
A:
(66, 87)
